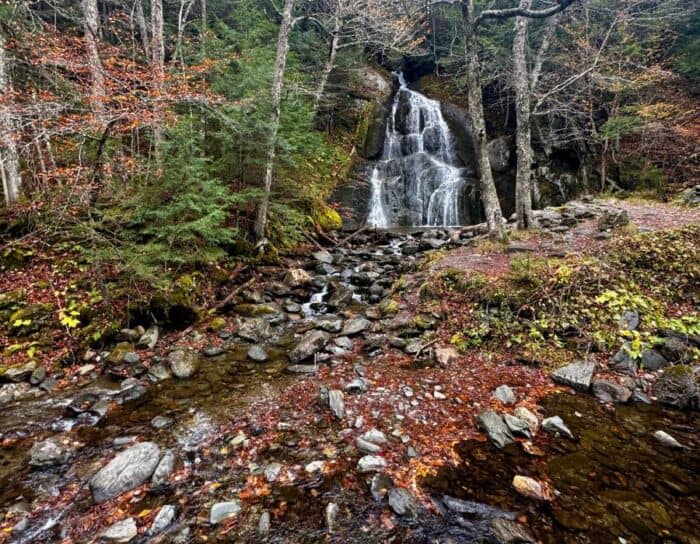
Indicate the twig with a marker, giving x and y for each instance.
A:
(348, 238)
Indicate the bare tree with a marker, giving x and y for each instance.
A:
(91, 23)
(9, 157)
(143, 27)
(158, 59)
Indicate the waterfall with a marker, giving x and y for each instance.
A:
(417, 181)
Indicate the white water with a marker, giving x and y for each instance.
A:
(417, 181)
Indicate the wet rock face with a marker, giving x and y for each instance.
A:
(126, 471)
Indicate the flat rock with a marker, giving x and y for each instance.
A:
(609, 391)
(577, 375)
(526, 415)
(310, 344)
(371, 463)
(164, 518)
(323, 257)
(532, 489)
(302, 369)
(128, 470)
(336, 402)
(224, 510)
(555, 425)
(517, 426)
(122, 531)
(494, 426)
(355, 326)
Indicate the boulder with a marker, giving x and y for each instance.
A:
(505, 395)
(678, 386)
(149, 339)
(336, 403)
(258, 354)
(623, 362)
(556, 425)
(493, 425)
(517, 426)
(165, 468)
(609, 391)
(371, 463)
(653, 360)
(183, 363)
(355, 326)
(526, 415)
(310, 344)
(323, 257)
(675, 350)
(532, 489)
(254, 329)
(507, 531)
(128, 470)
(21, 373)
(47, 453)
(402, 502)
(164, 518)
(613, 219)
(341, 297)
(577, 375)
(297, 277)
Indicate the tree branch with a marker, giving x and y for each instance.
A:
(521, 12)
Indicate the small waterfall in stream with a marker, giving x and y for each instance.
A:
(418, 180)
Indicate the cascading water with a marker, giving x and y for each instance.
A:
(417, 181)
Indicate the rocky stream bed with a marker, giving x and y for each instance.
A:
(311, 413)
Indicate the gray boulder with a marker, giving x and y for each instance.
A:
(122, 531)
(496, 429)
(653, 360)
(505, 395)
(47, 453)
(507, 531)
(165, 468)
(311, 343)
(224, 510)
(355, 326)
(623, 362)
(402, 502)
(183, 363)
(150, 338)
(258, 354)
(577, 375)
(608, 391)
(678, 386)
(126, 471)
(556, 425)
(165, 516)
(336, 402)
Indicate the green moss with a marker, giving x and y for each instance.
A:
(329, 219)
(120, 350)
(390, 308)
(217, 324)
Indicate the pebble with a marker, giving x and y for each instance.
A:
(371, 463)
(223, 510)
(556, 425)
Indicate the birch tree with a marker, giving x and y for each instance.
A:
(158, 60)
(91, 23)
(276, 103)
(9, 157)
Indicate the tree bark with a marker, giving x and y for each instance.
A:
(143, 28)
(9, 157)
(523, 133)
(91, 23)
(204, 16)
(330, 62)
(276, 102)
(487, 186)
(158, 60)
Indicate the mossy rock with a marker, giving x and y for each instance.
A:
(329, 220)
(390, 308)
(256, 310)
(371, 131)
(30, 319)
(116, 356)
(217, 324)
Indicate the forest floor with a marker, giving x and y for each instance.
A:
(450, 326)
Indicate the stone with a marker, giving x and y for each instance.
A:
(678, 386)
(445, 355)
(371, 463)
(323, 257)
(653, 360)
(355, 326)
(507, 531)
(330, 324)
(379, 486)
(667, 440)
(297, 277)
(163, 520)
(264, 524)
(254, 329)
(613, 219)
(47, 453)
(532, 489)
(315, 466)
(257, 354)
(577, 375)
(609, 391)
(623, 362)
(675, 350)
(556, 425)
(122, 531)
(358, 385)
(161, 422)
(224, 510)
(517, 425)
(371, 441)
(165, 468)
(38, 376)
(128, 470)
(302, 369)
(158, 373)
(150, 338)
(183, 363)
(526, 415)
(310, 344)
(493, 425)
(402, 502)
(505, 395)
(21, 373)
(331, 516)
(131, 358)
(340, 297)
(630, 320)
(272, 472)
(213, 351)
(15, 391)
(367, 447)
(336, 403)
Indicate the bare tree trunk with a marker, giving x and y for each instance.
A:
(523, 134)
(143, 28)
(9, 157)
(487, 186)
(330, 63)
(204, 16)
(158, 58)
(91, 22)
(280, 66)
